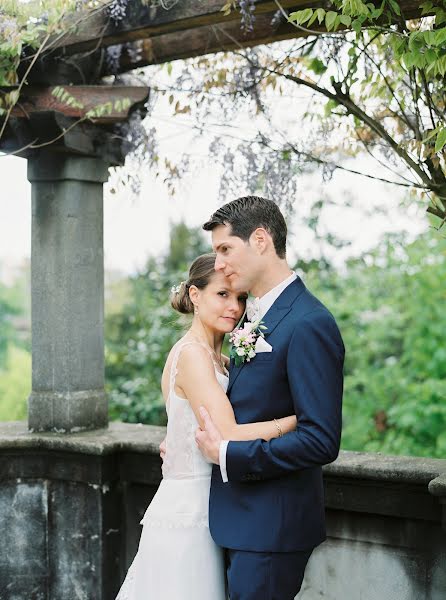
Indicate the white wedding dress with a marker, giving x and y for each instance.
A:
(177, 558)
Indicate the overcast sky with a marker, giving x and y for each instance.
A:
(136, 227)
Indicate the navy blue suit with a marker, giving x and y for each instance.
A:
(273, 502)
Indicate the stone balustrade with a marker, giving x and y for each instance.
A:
(70, 507)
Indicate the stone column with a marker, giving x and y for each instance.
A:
(67, 289)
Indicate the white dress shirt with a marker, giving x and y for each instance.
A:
(263, 305)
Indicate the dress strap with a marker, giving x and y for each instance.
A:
(176, 356)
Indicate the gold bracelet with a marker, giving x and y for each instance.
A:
(279, 428)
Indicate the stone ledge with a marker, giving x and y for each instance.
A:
(384, 467)
(146, 438)
(134, 437)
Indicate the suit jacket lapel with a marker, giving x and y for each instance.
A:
(233, 373)
(276, 313)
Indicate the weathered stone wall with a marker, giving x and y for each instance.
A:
(385, 535)
(70, 507)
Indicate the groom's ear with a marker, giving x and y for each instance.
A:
(260, 239)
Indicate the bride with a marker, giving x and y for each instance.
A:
(177, 558)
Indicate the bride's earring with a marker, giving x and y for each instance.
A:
(196, 310)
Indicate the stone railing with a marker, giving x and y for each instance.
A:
(70, 507)
(386, 530)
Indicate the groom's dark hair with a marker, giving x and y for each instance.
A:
(244, 215)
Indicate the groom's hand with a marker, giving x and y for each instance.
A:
(208, 439)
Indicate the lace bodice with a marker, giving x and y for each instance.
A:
(183, 460)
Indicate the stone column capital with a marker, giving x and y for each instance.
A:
(50, 166)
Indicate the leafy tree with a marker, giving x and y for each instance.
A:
(6, 329)
(139, 338)
(12, 305)
(31, 29)
(15, 355)
(374, 83)
(389, 305)
(15, 384)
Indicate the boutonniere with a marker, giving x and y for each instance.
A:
(243, 340)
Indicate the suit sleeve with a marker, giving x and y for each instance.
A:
(315, 360)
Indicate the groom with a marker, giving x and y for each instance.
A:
(266, 502)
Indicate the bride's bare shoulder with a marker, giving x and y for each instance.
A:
(192, 353)
(190, 347)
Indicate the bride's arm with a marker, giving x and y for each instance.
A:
(196, 378)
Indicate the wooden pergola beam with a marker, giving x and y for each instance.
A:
(200, 41)
(143, 22)
(118, 101)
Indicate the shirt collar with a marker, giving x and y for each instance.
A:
(266, 301)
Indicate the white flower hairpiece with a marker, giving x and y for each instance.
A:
(176, 289)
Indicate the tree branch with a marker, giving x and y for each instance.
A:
(353, 109)
(22, 83)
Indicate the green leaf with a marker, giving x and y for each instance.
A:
(398, 44)
(330, 106)
(330, 19)
(430, 37)
(320, 12)
(57, 91)
(419, 60)
(317, 66)
(356, 25)
(441, 140)
(426, 7)
(409, 58)
(431, 55)
(431, 134)
(313, 19)
(440, 37)
(376, 12)
(416, 40)
(440, 16)
(395, 7)
(301, 16)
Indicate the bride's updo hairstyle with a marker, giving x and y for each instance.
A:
(200, 273)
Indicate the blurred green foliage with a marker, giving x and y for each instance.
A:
(15, 314)
(139, 338)
(15, 357)
(389, 305)
(15, 384)
(6, 329)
